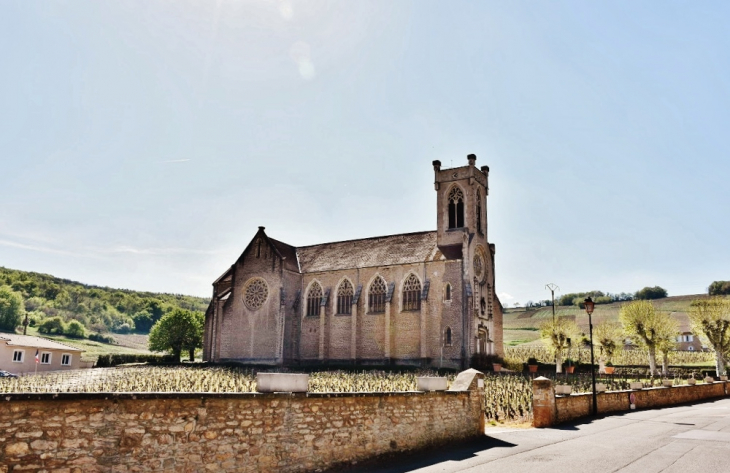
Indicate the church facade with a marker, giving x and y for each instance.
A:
(425, 299)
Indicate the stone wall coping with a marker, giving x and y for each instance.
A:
(7, 397)
(655, 388)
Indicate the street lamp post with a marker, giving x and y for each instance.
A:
(551, 287)
(589, 309)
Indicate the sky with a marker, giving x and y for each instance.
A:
(143, 142)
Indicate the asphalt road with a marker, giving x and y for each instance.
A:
(678, 439)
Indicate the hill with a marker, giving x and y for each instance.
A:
(99, 309)
(521, 325)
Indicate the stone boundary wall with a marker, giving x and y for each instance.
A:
(552, 410)
(102, 432)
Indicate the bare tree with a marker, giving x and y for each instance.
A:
(648, 327)
(557, 335)
(710, 319)
(610, 337)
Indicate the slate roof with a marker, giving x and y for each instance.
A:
(34, 342)
(389, 250)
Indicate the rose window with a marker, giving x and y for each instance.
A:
(256, 293)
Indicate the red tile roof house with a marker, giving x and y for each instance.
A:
(18, 354)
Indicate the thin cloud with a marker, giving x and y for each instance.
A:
(176, 161)
(42, 249)
(301, 55)
(505, 297)
(157, 251)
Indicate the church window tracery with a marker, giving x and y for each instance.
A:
(456, 208)
(376, 296)
(314, 300)
(344, 297)
(255, 293)
(412, 293)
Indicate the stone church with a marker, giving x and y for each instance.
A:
(424, 299)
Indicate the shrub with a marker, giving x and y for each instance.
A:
(123, 328)
(649, 293)
(719, 288)
(105, 361)
(484, 362)
(52, 325)
(75, 329)
(98, 337)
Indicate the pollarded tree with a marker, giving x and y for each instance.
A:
(610, 337)
(710, 319)
(648, 328)
(177, 331)
(11, 308)
(558, 336)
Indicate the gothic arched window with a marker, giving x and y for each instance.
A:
(447, 292)
(479, 212)
(314, 299)
(376, 296)
(456, 208)
(344, 297)
(412, 293)
(447, 336)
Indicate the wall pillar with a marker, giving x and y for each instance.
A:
(322, 328)
(387, 330)
(353, 334)
(544, 407)
(424, 329)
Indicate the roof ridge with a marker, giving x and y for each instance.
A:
(21, 336)
(368, 238)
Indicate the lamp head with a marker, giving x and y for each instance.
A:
(589, 304)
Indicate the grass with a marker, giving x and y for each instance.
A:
(520, 336)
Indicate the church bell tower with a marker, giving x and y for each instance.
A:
(462, 234)
(461, 204)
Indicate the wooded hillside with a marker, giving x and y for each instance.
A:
(99, 309)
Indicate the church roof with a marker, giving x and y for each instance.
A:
(389, 250)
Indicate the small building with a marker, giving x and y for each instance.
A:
(18, 354)
(687, 341)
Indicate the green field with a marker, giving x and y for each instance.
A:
(519, 321)
(132, 343)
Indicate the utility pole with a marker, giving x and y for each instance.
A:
(552, 287)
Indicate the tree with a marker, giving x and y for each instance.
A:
(718, 288)
(11, 308)
(649, 293)
(610, 337)
(75, 329)
(52, 325)
(558, 336)
(710, 318)
(177, 331)
(143, 321)
(648, 328)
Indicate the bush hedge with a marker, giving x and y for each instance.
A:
(106, 361)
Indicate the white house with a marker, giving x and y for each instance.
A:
(18, 354)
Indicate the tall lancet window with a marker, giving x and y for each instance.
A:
(456, 208)
(412, 293)
(479, 212)
(376, 296)
(314, 300)
(344, 298)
